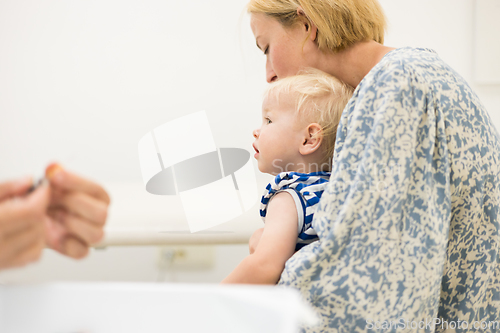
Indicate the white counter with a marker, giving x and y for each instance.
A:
(141, 307)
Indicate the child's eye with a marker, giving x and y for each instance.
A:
(268, 121)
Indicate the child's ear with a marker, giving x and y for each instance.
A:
(312, 139)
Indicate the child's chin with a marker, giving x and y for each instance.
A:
(263, 169)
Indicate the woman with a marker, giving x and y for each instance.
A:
(66, 214)
(408, 225)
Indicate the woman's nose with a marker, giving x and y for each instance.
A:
(256, 133)
(271, 78)
(270, 74)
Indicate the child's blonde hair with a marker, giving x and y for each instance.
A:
(319, 98)
(340, 23)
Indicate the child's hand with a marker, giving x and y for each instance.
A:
(254, 240)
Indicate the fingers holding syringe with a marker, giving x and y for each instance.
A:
(79, 205)
(23, 247)
(67, 181)
(22, 222)
(18, 213)
(71, 224)
(14, 188)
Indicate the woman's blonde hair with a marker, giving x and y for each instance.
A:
(340, 23)
(319, 98)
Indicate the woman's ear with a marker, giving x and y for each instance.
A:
(309, 26)
(312, 139)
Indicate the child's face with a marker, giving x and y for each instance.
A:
(278, 140)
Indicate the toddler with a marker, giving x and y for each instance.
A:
(300, 115)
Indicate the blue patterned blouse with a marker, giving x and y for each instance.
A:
(408, 224)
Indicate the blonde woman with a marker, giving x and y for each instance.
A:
(408, 224)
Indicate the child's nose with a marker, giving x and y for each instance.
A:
(256, 133)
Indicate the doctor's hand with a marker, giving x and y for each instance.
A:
(22, 219)
(78, 212)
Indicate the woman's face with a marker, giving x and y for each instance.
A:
(288, 50)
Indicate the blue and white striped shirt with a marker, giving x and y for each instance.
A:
(306, 190)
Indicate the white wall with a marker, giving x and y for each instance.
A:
(82, 81)
(448, 27)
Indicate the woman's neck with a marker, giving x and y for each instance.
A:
(353, 64)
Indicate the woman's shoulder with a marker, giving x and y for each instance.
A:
(408, 56)
(410, 68)
(409, 63)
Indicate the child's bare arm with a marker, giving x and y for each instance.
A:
(276, 245)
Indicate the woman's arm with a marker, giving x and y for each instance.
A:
(276, 245)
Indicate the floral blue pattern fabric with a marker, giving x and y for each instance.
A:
(408, 224)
